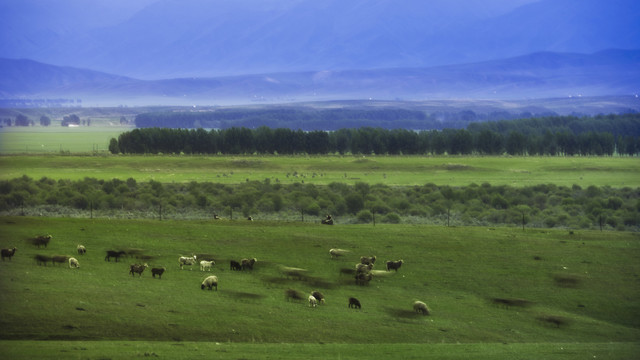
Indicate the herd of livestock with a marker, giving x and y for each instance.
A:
(363, 272)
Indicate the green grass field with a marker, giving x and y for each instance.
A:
(57, 139)
(51, 311)
(390, 170)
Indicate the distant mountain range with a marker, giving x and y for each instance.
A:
(538, 75)
(159, 39)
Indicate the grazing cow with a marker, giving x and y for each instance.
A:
(8, 253)
(113, 254)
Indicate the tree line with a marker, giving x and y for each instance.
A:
(554, 136)
(543, 205)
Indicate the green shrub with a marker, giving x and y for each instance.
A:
(391, 218)
(364, 216)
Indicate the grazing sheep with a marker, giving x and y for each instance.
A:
(363, 278)
(327, 221)
(234, 265)
(248, 264)
(250, 218)
(394, 265)
(8, 253)
(73, 263)
(291, 294)
(113, 254)
(368, 260)
(42, 259)
(363, 268)
(210, 282)
(41, 240)
(184, 260)
(206, 265)
(313, 302)
(81, 249)
(419, 306)
(137, 268)
(319, 296)
(336, 253)
(354, 303)
(157, 271)
(59, 259)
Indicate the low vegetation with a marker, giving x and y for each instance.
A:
(542, 206)
(458, 272)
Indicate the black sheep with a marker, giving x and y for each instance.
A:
(8, 253)
(354, 303)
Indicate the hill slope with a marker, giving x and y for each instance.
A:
(539, 75)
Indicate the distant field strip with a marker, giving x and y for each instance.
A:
(322, 170)
(41, 140)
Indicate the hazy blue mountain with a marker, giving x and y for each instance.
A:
(538, 75)
(156, 39)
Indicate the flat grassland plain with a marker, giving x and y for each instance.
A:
(571, 296)
(577, 292)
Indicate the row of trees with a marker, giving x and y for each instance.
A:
(545, 205)
(23, 120)
(265, 140)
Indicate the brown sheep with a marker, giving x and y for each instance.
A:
(248, 264)
(41, 240)
(137, 268)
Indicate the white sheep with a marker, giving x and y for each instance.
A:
(335, 253)
(206, 265)
(184, 260)
(73, 263)
(81, 249)
(210, 282)
(419, 306)
(313, 302)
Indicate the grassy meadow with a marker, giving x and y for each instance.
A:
(389, 170)
(587, 281)
(581, 288)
